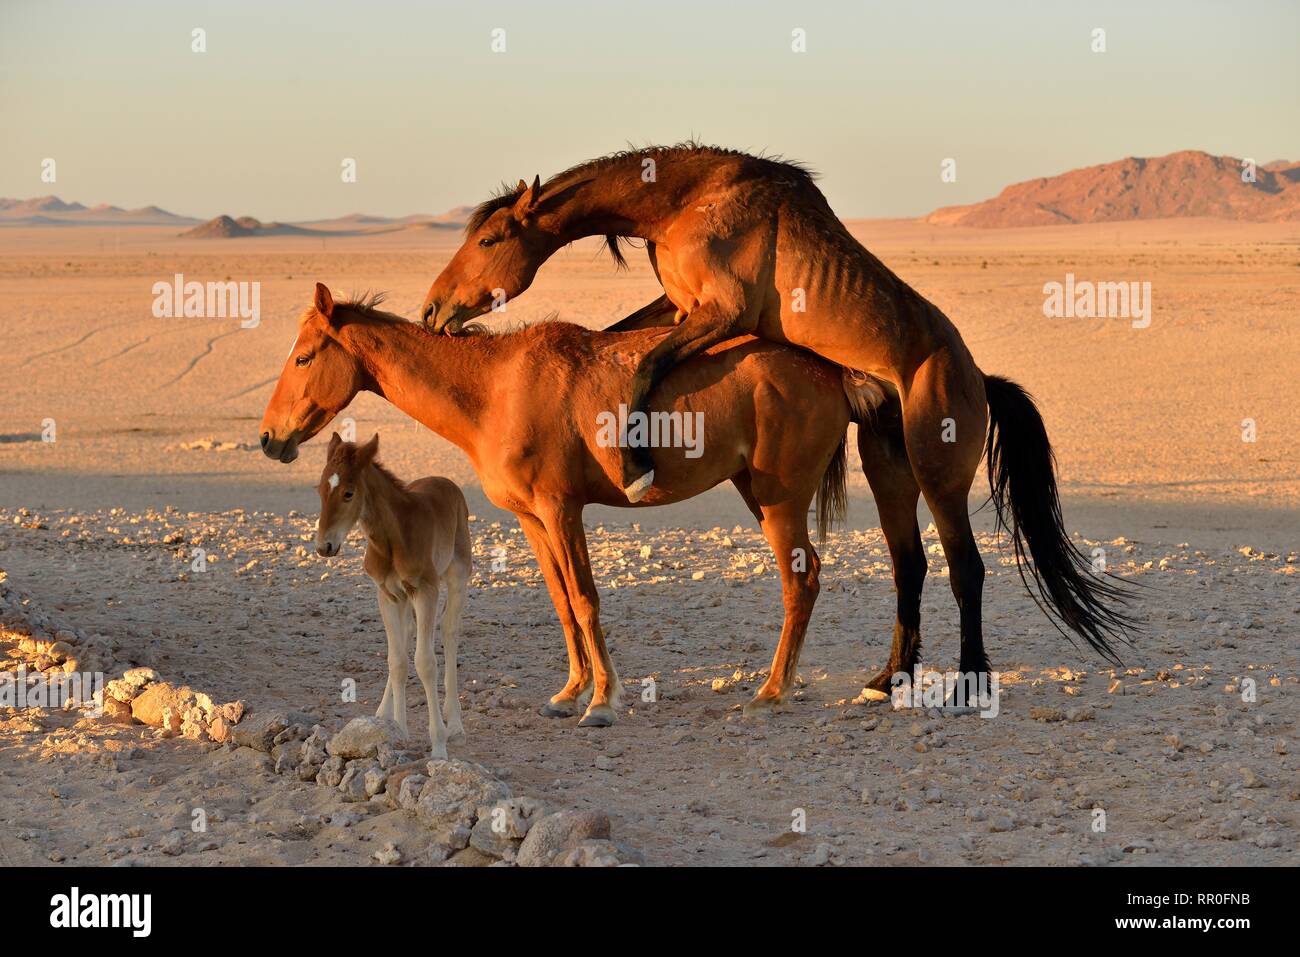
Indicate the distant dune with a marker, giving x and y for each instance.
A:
(1184, 184)
(224, 227)
(52, 211)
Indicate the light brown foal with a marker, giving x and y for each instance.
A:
(417, 536)
(528, 407)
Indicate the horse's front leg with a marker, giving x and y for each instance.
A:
(569, 546)
(710, 322)
(567, 702)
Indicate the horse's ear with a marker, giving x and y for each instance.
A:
(324, 301)
(335, 442)
(366, 454)
(527, 203)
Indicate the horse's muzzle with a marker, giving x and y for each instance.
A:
(282, 450)
(444, 317)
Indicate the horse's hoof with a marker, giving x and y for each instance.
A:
(561, 709)
(760, 706)
(438, 754)
(638, 489)
(597, 716)
(455, 730)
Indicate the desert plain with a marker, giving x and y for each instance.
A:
(1179, 466)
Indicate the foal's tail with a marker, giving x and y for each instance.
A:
(832, 499)
(1022, 477)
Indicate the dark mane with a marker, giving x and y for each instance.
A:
(366, 305)
(771, 162)
(507, 195)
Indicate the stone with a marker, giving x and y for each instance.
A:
(258, 730)
(501, 827)
(361, 737)
(353, 783)
(559, 832)
(219, 730)
(408, 794)
(139, 677)
(390, 855)
(331, 773)
(376, 779)
(148, 707)
(117, 711)
(455, 791)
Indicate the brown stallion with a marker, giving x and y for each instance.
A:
(748, 245)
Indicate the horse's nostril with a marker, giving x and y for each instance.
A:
(266, 440)
(427, 314)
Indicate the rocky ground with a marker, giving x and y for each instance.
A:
(1183, 757)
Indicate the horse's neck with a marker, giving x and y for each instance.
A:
(615, 200)
(433, 379)
(382, 507)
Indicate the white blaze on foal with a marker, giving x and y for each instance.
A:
(417, 536)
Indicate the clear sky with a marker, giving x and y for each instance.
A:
(261, 122)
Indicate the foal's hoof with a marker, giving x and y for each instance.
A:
(559, 709)
(637, 490)
(597, 716)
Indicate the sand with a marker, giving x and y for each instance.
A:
(1147, 425)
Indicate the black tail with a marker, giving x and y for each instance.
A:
(832, 499)
(1022, 477)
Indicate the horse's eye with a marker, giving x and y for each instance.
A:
(347, 495)
(486, 242)
(303, 360)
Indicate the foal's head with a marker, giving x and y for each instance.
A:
(342, 491)
(319, 379)
(504, 246)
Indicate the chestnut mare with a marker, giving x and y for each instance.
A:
(526, 406)
(748, 245)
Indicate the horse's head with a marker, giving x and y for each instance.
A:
(319, 379)
(341, 491)
(504, 246)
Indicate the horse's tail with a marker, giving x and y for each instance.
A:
(832, 499)
(1022, 478)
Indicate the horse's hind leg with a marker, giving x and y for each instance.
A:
(786, 526)
(945, 418)
(425, 601)
(889, 473)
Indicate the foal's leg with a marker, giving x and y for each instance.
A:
(457, 579)
(569, 546)
(425, 601)
(566, 703)
(395, 612)
(889, 473)
(785, 524)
